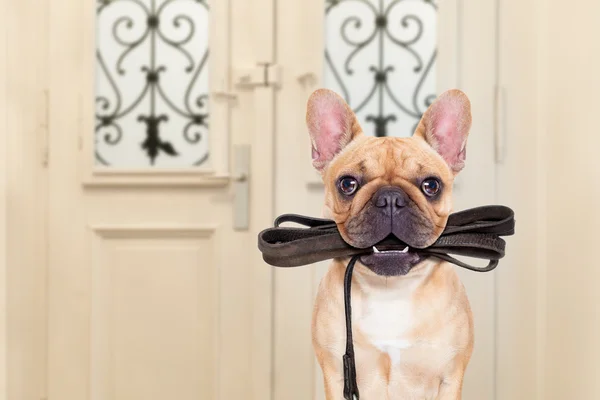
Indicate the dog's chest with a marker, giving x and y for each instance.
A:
(386, 322)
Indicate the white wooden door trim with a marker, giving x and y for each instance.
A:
(262, 184)
(23, 191)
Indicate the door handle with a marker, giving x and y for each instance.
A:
(307, 79)
(241, 184)
(224, 95)
(239, 178)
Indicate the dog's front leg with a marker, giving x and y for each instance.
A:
(333, 376)
(450, 391)
(451, 388)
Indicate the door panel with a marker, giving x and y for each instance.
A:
(152, 292)
(465, 59)
(153, 320)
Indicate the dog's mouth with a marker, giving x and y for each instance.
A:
(396, 260)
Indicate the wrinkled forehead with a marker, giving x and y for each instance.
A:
(390, 158)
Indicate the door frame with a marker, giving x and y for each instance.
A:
(23, 79)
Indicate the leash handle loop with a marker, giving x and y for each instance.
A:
(310, 222)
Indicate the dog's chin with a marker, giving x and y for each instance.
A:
(392, 262)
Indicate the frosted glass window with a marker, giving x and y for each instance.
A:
(151, 83)
(380, 55)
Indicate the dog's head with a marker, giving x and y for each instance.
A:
(376, 187)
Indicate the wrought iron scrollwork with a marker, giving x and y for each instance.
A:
(368, 28)
(138, 27)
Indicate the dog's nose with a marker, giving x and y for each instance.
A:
(390, 196)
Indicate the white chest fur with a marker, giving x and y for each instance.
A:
(385, 323)
(386, 313)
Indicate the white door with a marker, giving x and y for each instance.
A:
(160, 177)
(381, 55)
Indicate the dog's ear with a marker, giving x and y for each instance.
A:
(445, 126)
(332, 125)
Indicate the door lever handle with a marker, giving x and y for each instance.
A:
(240, 178)
(307, 78)
(241, 184)
(224, 95)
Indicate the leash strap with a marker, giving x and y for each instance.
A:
(474, 233)
(350, 385)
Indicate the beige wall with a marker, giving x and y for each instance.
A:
(3, 177)
(573, 196)
(549, 302)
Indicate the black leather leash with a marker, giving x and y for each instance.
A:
(350, 385)
(473, 233)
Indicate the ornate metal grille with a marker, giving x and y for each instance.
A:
(152, 83)
(380, 55)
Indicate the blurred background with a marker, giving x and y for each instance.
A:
(145, 143)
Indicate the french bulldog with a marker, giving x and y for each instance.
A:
(412, 322)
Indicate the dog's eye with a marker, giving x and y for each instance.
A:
(430, 187)
(348, 185)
